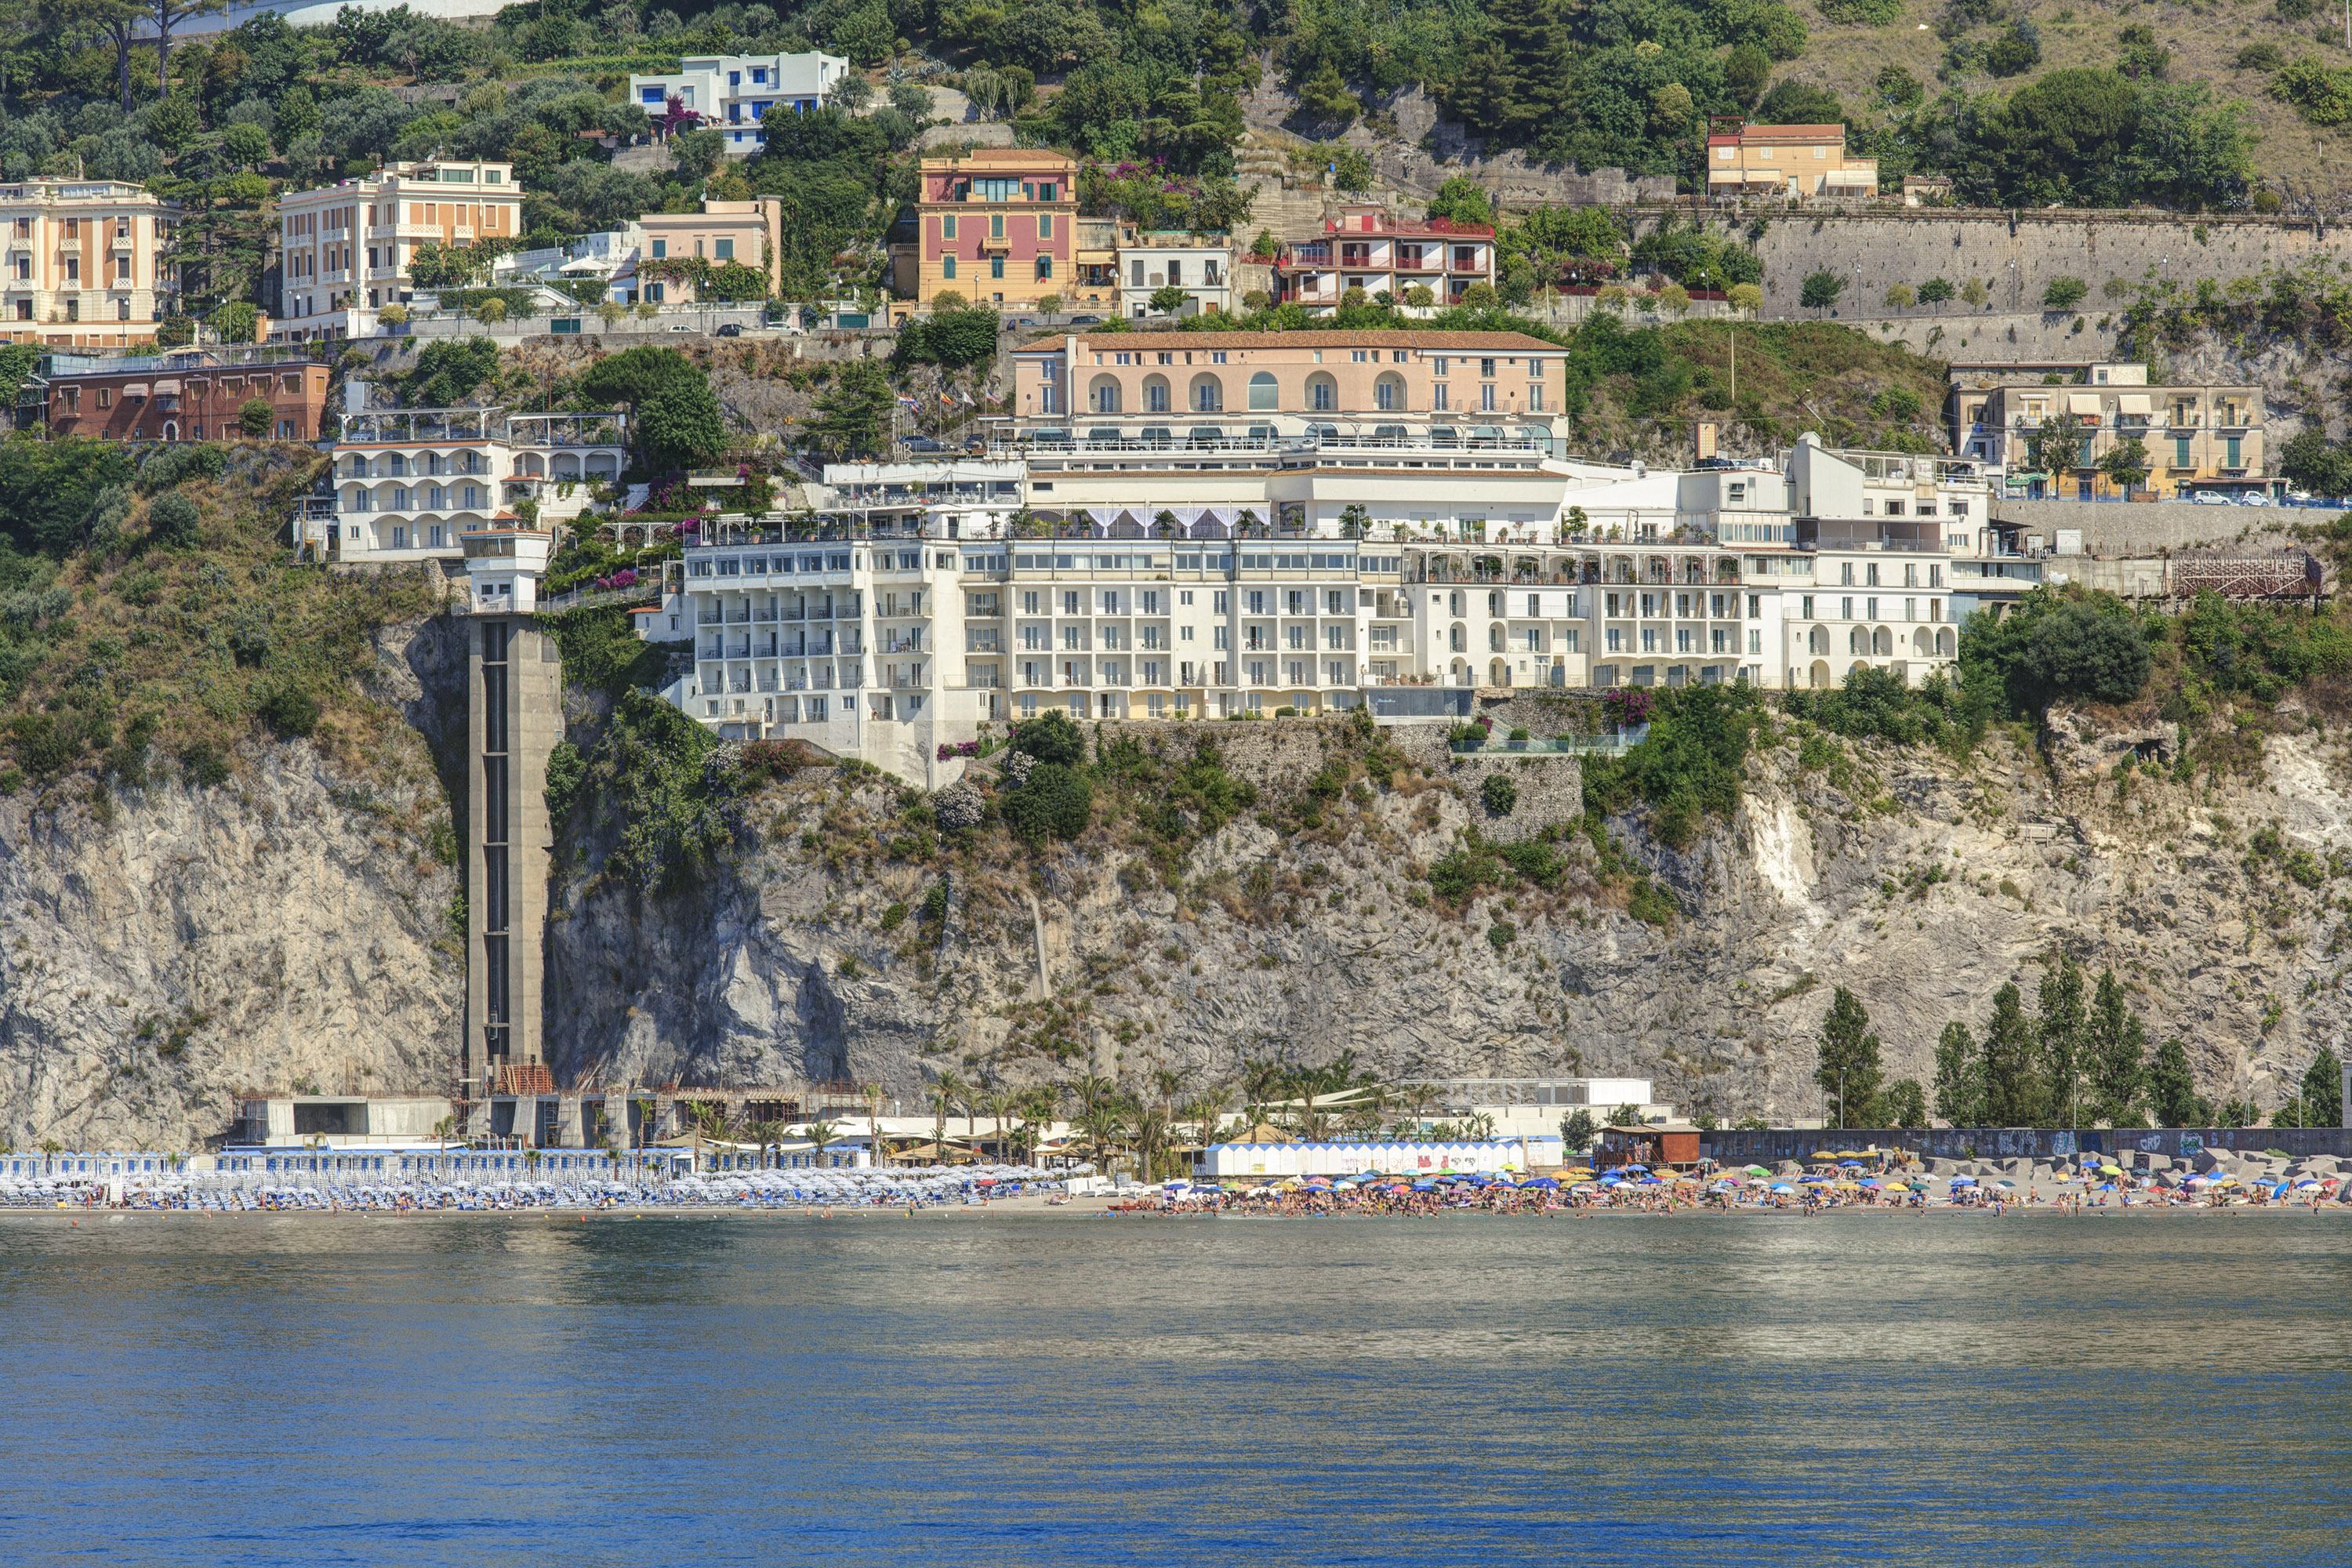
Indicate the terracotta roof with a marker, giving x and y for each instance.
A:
(1385, 338)
(1779, 133)
(1025, 156)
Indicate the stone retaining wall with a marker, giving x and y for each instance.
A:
(2116, 528)
(1770, 1145)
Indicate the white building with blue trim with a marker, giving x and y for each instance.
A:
(731, 92)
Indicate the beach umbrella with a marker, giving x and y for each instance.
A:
(1633, 1167)
(1758, 1171)
(1782, 1187)
(1850, 1165)
(2111, 1169)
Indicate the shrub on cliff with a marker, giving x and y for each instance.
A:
(2050, 648)
(1054, 803)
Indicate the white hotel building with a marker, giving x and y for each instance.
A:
(1312, 573)
(409, 482)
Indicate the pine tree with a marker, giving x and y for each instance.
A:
(2172, 1089)
(2013, 1091)
(1850, 1071)
(2321, 1101)
(1959, 1078)
(2115, 1063)
(2060, 1033)
(1529, 62)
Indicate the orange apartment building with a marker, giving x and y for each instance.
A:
(1794, 160)
(344, 249)
(85, 265)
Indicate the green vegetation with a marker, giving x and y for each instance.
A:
(119, 644)
(2069, 1065)
(1688, 768)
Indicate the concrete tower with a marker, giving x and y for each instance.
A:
(514, 716)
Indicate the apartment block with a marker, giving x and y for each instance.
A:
(344, 249)
(733, 92)
(191, 395)
(747, 233)
(410, 483)
(1797, 161)
(2196, 436)
(998, 225)
(1202, 265)
(1371, 248)
(1203, 389)
(87, 263)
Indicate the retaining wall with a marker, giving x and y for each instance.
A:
(2017, 255)
(1769, 1145)
(2116, 529)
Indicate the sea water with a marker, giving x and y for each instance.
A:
(954, 1388)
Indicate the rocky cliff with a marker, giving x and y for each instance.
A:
(171, 945)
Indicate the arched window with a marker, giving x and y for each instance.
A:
(1388, 393)
(1945, 644)
(1155, 394)
(1820, 640)
(1208, 395)
(1103, 396)
(1882, 642)
(1857, 641)
(399, 464)
(1264, 396)
(1322, 393)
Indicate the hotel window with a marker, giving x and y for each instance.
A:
(1534, 398)
(1045, 268)
(661, 249)
(2179, 442)
(996, 226)
(723, 250)
(996, 267)
(1044, 225)
(947, 225)
(947, 265)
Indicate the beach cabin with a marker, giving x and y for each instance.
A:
(1671, 1144)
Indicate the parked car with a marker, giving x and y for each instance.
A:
(730, 329)
(1085, 321)
(924, 444)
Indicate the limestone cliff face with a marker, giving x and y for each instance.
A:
(1922, 886)
(292, 928)
(176, 944)
(289, 928)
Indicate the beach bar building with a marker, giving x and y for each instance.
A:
(1356, 1157)
(1672, 1143)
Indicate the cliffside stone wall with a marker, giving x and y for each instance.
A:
(2017, 255)
(2153, 528)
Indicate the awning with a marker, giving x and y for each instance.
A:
(167, 389)
(2134, 403)
(2083, 403)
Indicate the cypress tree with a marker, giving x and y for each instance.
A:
(2172, 1088)
(1527, 63)
(1959, 1076)
(2013, 1096)
(2321, 1104)
(2115, 1051)
(2060, 1033)
(1849, 1070)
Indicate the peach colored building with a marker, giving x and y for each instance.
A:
(1371, 248)
(1200, 387)
(1797, 161)
(85, 263)
(749, 234)
(344, 249)
(999, 226)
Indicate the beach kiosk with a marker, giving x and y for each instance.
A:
(1658, 1145)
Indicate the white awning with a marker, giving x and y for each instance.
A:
(167, 389)
(2134, 403)
(2083, 402)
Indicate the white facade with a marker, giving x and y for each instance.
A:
(1203, 265)
(344, 249)
(411, 483)
(1114, 584)
(1354, 1157)
(731, 92)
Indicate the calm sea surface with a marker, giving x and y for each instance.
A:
(1867, 1388)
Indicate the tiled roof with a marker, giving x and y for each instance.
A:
(1779, 133)
(1367, 338)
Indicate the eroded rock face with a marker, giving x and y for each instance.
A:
(1923, 887)
(290, 928)
(293, 928)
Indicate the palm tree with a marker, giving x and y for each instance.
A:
(50, 1150)
(1206, 1111)
(444, 1130)
(1038, 1107)
(820, 1133)
(1152, 1126)
(1103, 1121)
(947, 1091)
(999, 1105)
